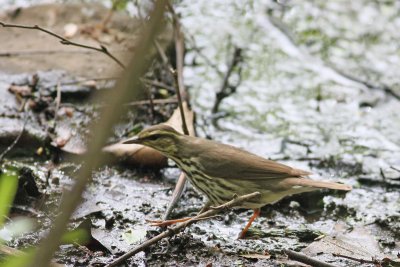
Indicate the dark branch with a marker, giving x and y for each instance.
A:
(228, 89)
(65, 41)
(362, 261)
(306, 259)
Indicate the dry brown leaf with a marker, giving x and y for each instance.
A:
(358, 243)
(22, 90)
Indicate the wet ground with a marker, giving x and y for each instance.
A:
(318, 89)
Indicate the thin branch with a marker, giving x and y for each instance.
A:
(47, 52)
(180, 47)
(102, 130)
(362, 261)
(181, 226)
(385, 88)
(65, 41)
(394, 168)
(178, 73)
(82, 81)
(300, 257)
(158, 84)
(226, 88)
(155, 102)
(179, 187)
(180, 104)
(180, 89)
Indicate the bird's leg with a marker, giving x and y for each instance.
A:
(255, 215)
(174, 221)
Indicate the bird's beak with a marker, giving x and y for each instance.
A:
(132, 140)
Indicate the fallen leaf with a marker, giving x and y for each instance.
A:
(22, 90)
(358, 243)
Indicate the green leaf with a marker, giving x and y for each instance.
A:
(8, 188)
(19, 259)
(119, 4)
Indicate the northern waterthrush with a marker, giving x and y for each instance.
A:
(222, 171)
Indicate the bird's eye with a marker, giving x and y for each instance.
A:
(152, 137)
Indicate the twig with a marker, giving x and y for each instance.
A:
(300, 257)
(102, 130)
(162, 54)
(155, 102)
(179, 187)
(65, 41)
(82, 81)
(394, 168)
(362, 261)
(48, 52)
(226, 88)
(158, 84)
(181, 226)
(385, 88)
(12, 145)
(180, 89)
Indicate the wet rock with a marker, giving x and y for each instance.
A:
(391, 223)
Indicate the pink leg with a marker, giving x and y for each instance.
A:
(255, 215)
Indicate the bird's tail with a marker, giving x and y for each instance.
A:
(318, 184)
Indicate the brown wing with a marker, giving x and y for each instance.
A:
(224, 161)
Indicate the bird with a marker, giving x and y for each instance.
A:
(222, 171)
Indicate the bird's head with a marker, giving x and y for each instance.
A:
(161, 137)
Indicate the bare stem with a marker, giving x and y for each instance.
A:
(306, 259)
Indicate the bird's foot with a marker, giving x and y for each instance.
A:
(162, 223)
(242, 235)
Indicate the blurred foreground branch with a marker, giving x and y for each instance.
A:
(109, 114)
